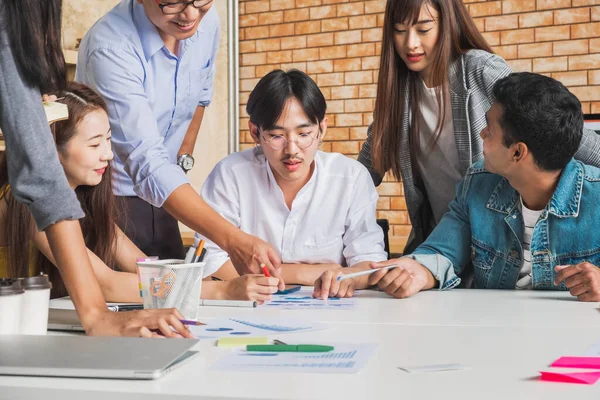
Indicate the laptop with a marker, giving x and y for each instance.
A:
(92, 357)
(64, 320)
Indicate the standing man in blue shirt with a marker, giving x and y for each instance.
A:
(153, 62)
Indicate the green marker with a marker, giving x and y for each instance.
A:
(280, 348)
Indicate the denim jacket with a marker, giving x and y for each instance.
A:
(485, 226)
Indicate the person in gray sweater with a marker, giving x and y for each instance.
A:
(35, 174)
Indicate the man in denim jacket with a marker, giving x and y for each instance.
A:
(527, 216)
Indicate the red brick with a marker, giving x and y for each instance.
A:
(281, 30)
(358, 133)
(337, 133)
(258, 32)
(326, 93)
(571, 47)
(275, 57)
(257, 6)
(493, 38)
(576, 78)
(362, 22)
(586, 93)
(594, 77)
(320, 67)
(333, 52)
(347, 9)
(322, 12)
(305, 55)
(479, 23)
(361, 50)
(326, 146)
(580, 3)
(550, 64)
(300, 14)
(590, 30)
(367, 118)
(360, 105)
(517, 36)
(544, 18)
(345, 147)
(247, 72)
(485, 9)
(394, 217)
(262, 70)
(501, 23)
(253, 59)
(319, 40)
(571, 16)
(377, 6)
(552, 33)
(293, 42)
(595, 108)
(282, 4)
(248, 20)
(270, 18)
(596, 13)
(303, 28)
(535, 50)
(506, 52)
(552, 4)
(594, 46)
(383, 203)
(520, 65)
(295, 65)
(348, 119)
(334, 24)
(334, 79)
(335, 107)
(358, 77)
(367, 91)
(370, 63)
(344, 92)
(347, 64)
(348, 37)
(268, 45)
(517, 6)
(398, 203)
(247, 85)
(248, 46)
(307, 3)
(590, 61)
(372, 35)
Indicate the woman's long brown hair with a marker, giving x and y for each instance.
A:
(457, 34)
(98, 201)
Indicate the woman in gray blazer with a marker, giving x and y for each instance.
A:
(435, 87)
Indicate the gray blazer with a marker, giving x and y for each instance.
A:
(471, 79)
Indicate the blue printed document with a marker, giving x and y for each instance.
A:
(344, 359)
(303, 300)
(251, 326)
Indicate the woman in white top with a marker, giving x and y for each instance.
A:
(317, 209)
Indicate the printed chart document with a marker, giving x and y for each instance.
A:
(251, 326)
(344, 359)
(303, 299)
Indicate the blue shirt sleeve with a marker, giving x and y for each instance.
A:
(118, 76)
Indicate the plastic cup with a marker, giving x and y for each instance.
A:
(11, 299)
(36, 300)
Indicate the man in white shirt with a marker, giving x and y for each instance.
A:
(317, 209)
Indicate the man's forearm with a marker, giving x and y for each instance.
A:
(191, 135)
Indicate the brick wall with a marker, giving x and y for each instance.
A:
(337, 42)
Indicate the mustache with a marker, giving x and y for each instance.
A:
(293, 157)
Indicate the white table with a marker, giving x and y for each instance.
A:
(505, 337)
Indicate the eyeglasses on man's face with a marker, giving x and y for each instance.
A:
(176, 7)
(279, 142)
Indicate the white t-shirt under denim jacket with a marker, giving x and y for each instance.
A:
(332, 218)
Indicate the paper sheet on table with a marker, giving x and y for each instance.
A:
(303, 299)
(586, 378)
(433, 368)
(251, 326)
(577, 362)
(593, 350)
(344, 359)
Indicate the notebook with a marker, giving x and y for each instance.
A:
(92, 357)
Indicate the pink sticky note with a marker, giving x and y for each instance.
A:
(577, 362)
(586, 378)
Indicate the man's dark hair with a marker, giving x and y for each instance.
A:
(271, 94)
(542, 113)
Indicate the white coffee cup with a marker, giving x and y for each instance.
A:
(36, 300)
(11, 298)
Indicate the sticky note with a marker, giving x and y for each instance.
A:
(241, 341)
(577, 362)
(586, 378)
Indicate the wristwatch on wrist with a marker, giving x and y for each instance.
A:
(185, 161)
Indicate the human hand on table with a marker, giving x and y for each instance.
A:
(251, 287)
(327, 285)
(404, 281)
(582, 280)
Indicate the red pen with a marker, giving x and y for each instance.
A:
(265, 270)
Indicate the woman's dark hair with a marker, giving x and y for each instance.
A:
(540, 112)
(33, 28)
(98, 201)
(398, 86)
(271, 94)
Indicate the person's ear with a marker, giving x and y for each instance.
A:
(520, 151)
(323, 127)
(254, 132)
